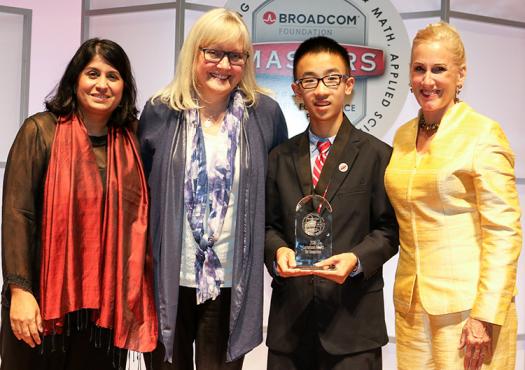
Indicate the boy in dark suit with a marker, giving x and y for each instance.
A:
(331, 318)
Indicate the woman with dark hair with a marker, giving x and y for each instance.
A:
(77, 275)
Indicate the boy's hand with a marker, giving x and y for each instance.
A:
(337, 268)
(286, 266)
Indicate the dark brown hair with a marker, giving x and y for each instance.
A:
(63, 100)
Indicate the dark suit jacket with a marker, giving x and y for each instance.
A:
(349, 318)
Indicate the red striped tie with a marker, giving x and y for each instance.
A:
(323, 147)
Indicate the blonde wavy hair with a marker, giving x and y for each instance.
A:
(215, 26)
(443, 32)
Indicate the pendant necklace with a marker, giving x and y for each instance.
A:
(426, 126)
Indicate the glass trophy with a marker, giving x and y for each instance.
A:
(313, 231)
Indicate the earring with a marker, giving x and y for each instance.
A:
(458, 90)
(409, 85)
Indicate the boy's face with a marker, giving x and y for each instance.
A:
(323, 103)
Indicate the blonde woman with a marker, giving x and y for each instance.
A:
(451, 182)
(205, 140)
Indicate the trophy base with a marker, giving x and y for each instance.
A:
(304, 267)
(309, 267)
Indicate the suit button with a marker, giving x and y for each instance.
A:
(311, 280)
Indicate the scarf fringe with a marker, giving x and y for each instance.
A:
(100, 338)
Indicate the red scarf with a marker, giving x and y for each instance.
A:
(96, 256)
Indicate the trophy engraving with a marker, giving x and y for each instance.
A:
(313, 231)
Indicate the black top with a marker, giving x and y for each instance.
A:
(23, 194)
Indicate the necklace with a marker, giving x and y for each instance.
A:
(209, 121)
(428, 127)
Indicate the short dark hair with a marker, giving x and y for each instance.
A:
(320, 44)
(62, 101)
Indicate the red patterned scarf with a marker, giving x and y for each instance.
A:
(95, 250)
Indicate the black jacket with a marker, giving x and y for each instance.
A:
(349, 317)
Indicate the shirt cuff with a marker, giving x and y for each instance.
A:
(357, 269)
(275, 269)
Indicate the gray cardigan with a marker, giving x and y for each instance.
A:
(162, 136)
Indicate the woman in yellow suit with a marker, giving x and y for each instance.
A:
(451, 181)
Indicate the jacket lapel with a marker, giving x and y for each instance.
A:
(301, 160)
(340, 159)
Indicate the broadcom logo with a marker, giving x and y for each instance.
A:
(372, 32)
(269, 17)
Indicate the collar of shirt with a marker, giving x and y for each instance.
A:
(313, 142)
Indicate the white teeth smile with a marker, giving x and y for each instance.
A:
(219, 76)
(429, 93)
(100, 96)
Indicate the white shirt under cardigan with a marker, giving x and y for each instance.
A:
(224, 246)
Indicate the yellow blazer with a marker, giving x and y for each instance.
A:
(459, 217)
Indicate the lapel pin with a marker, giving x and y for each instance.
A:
(343, 167)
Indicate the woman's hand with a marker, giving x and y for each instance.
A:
(24, 314)
(476, 340)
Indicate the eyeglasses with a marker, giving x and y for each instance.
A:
(215, 56)
(332, 80)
